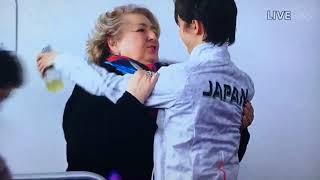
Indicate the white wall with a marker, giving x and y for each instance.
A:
(282, 56)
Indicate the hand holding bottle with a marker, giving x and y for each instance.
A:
(51, 77)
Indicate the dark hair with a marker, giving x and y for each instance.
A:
(218, 17)
(10, 70)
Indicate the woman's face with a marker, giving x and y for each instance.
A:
(139, 39)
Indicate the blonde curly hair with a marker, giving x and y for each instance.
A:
(109, 26)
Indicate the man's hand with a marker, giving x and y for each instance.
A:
(45, 60)
(142, 84)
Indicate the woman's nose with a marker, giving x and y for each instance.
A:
(152, 35)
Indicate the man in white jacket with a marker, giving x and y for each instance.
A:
(200, 100)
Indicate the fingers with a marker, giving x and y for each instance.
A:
(40, 55)
(248, 114)
(41, 63)
(250, 111)
(44, 60)
(139, 74)
(155, 78)
(247, 121)
(42, 69)
(142, 84)
(146, 76)
(250, 107)
(152, 79)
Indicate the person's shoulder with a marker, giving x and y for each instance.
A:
(248, 81)
(175, 69)
(247, 77)
(163, 64)
(239, 72)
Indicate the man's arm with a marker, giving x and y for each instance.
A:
(94, 79)
(98, 81)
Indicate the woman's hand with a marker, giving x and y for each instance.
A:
(142, 84)
(248, 115)
(45, 60)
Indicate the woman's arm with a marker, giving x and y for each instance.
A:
(244, 140)
(247, 118)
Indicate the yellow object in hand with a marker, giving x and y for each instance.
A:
(54, 85)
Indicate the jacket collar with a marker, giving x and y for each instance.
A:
(209, 51)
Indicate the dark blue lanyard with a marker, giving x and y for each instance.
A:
(123, 69)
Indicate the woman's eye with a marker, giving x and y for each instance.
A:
(140, 30)
(156, 33)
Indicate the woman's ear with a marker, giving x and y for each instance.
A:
(113, 46)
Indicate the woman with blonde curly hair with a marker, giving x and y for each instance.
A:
(108, 138)
(112, 25)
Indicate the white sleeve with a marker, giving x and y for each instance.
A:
(252, 90)
(170, 85)
(98, 81)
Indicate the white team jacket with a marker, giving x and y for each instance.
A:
(199, 120)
